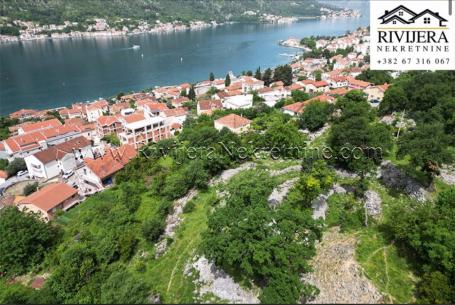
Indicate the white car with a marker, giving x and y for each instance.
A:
(22, 173)
(67, 175)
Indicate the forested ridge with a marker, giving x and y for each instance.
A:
(58, 11)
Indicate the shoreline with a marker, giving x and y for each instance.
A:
(164, 29)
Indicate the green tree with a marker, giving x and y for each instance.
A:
(395, 99)
(258, 74)
(428, 147)
(25, 240)
(227, 80)
(284, 74)
(315, 115)
(267, 76)
(299, 96)
(270, 247)
(357, 140)
(192, 94)
(121, 287)
(152, 229)
(30, 188)
(15, 166)
(3, 164)
(376, 77)
(113, 139)
(318, 75)
(211, 77)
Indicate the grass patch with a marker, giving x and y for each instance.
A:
(383, 265)
(166, 273)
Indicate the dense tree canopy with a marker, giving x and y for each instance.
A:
(315, 115)
(428, 146)
(376, 77)
(284, 74)
(428, 231)
(358, 141)
(24, 241)
(270, 247)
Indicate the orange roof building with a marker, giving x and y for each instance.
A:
(49, 199)
(233, 122)
(27, 128)
(103, 169)
(208, 106)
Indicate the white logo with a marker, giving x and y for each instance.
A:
(412, 36)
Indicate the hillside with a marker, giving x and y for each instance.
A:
(58, 11)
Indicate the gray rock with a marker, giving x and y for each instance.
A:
(213, 280)
(372, 203)
(154, 299)
(279, 193)
(447, 174)
(396, 178)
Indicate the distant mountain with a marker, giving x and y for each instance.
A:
(58, 11)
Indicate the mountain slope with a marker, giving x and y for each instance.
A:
(57, 11)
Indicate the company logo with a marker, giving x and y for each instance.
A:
(402, 15)
(412, 36)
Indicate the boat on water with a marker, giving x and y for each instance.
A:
(287, 54)
(136, 47)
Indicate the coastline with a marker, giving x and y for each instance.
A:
(165, 28)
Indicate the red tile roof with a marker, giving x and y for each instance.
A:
(296, 107)
(210, 105)
(384, 87)
(322, 98)
(23, 113)
(135, 117)
(321, 83)
(3, 174)
(176, 112)
(156, 106)
(53, 123)
(338, 91)
(57, 152)
(104, 167)
(122, 154)
(98, 105)
(233, 121)
(358, 83)
(107, 120)
(50, 196)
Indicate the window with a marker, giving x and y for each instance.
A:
(394, 22)
(400, 14)
(426, 20)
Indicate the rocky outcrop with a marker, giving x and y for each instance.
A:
(279, 193)
(320, 206)
(338, 275)
(372, 203)
(448, 175)
(345, 174)
(294, 168)
(314, 135)
(172, 221)
(212, 280)
(395, 178)
(229, 173)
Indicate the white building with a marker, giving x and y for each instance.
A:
(59, 159)
(238, 101)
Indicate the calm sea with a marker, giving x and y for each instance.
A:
(51, 73)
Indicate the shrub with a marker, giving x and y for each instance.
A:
(152, 229)
(189, 207)
(30, 188)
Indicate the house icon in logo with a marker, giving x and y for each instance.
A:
(402, 15)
